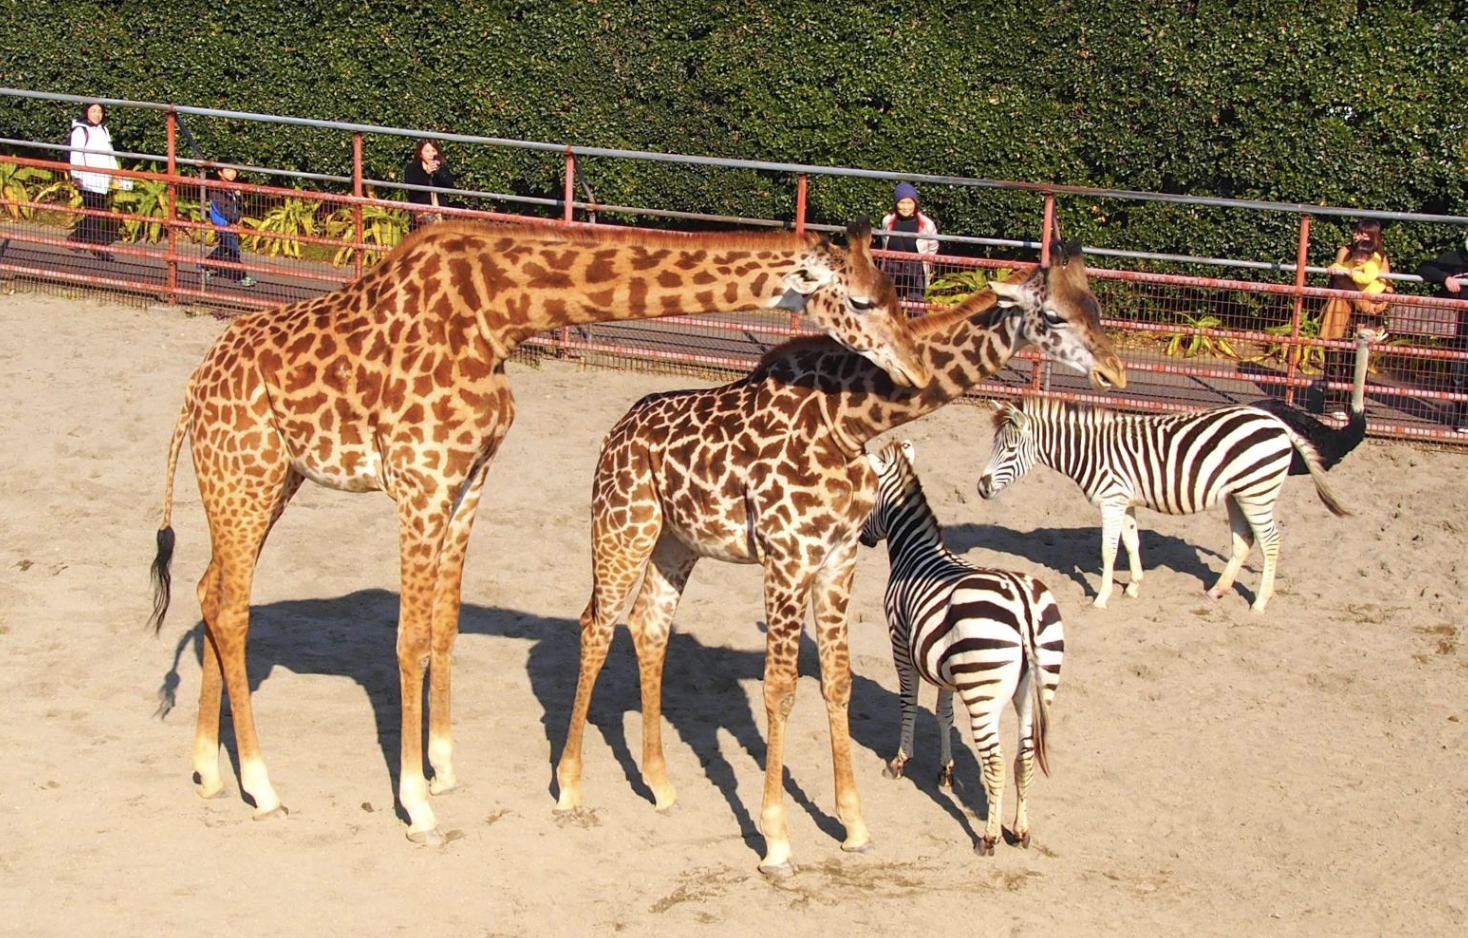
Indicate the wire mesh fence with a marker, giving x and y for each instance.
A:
(1188, 341)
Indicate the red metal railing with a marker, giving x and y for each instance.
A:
(1254, 339)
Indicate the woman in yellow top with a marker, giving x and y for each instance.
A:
(1358, 265)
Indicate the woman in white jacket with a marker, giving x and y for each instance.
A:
(91, 148)
(908, 225)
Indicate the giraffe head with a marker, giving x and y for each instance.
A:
(854, 302)
(895, 478)
(1014, 450)
(1060, 316)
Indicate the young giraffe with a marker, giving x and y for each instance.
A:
(397, 383)
(769, 470)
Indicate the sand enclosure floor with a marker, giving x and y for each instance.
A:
(1216, 772)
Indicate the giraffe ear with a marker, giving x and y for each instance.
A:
(808, 279)
(859, 234)
(1009, 295)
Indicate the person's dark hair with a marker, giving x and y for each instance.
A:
(426, 142)
(1372, 227)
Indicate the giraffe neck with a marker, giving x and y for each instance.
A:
(961, 348)
(519, 282)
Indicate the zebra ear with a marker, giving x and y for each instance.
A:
(878, 464)
(910, 452)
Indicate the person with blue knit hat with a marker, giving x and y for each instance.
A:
(907, 226)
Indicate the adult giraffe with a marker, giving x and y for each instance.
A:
(769, 470)
(397, 383)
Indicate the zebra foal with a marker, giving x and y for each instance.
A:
(989, 635)
(1177, 464)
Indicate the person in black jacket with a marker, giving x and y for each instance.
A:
(1449, 271)
(426, 168)
(224, 209)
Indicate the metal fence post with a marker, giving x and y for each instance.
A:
(1292, 360)
(568, 216)
(357, 206)
(1039, 372)
(171, 212)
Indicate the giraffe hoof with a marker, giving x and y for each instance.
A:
(435, 787)
(862, 847)
(208, 792)
(985, 847)
(432, 837)
(1099, 603)
(1023, 840)
(778, 870)
(278, 811)
(668, 810)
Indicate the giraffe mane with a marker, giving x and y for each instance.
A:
(580, 234)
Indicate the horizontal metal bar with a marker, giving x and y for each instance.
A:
(809, 169)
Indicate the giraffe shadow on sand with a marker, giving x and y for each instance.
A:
(1076, 552)
(705, 693)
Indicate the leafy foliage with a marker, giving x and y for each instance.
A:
(381, 226)
(1340, 104)
(281, 225)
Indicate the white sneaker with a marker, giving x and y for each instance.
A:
(1341, 415)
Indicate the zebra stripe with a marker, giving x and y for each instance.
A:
(990, 636)
(1175, 463)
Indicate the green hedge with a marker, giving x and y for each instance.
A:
(1331, 103)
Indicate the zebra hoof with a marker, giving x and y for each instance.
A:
(1100, 602)
(985, 847)
(945, 778)
(892, 769)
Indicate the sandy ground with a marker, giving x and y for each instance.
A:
(1217, 772)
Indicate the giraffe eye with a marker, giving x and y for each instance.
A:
(862, 305)
(1052, 318)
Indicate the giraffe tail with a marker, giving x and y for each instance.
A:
(162, 579)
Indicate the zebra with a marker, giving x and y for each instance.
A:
(990, 635)
(1176, 464)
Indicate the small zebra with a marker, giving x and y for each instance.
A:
(990, 635)
(1176, 464)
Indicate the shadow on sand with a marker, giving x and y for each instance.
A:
(704, 693)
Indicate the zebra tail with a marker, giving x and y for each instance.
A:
(1331, 444)
(162, 579)
(1037, 681)
(1305, 450)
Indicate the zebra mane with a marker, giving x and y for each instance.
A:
(1054, 411)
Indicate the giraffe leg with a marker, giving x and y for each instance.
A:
(447, 600)
(207, 780)
(1132, 541)
(619, 554)
(784, 611)
(422, 526)
(830, 597)
(651, 623)
(1243, 542)
(945, 738)
(252, 507)
(1111, 525)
